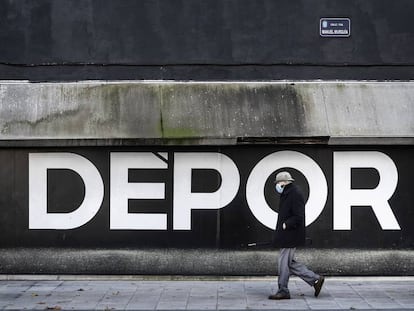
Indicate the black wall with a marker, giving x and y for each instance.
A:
(203, 40)
(231, 227)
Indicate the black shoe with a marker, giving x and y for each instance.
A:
(280, 296)
(318, 285)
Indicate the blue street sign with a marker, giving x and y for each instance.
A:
(335, 27)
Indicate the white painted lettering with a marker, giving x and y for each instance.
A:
(285, 159)
(39, 163)
(122, 191)
(345, 197)
(185, 201)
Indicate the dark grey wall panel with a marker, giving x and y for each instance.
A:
(204, 72)
(203, 40)
(229, 32)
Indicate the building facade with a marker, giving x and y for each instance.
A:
(143, 137)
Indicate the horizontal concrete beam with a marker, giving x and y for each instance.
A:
(201, 262)
(207, 112)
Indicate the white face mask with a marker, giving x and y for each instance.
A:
(279, 188)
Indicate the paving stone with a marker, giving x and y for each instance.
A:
(200, 295)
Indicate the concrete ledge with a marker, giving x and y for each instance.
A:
(201, 262)
(206, 141)
(194, 113)
(384, 141)
(158, 278)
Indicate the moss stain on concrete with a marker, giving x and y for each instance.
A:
(166, 94)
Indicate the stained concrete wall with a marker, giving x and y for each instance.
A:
(201, 262)
(208, 113)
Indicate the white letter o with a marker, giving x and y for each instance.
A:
(318, 188)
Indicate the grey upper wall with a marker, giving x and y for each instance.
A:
(224, 32)
(207, 113)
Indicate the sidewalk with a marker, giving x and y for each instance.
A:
(130, 293)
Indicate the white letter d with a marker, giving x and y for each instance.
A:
(39, 218)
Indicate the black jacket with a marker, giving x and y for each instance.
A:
(292, 213)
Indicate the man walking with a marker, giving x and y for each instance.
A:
(290, 233)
